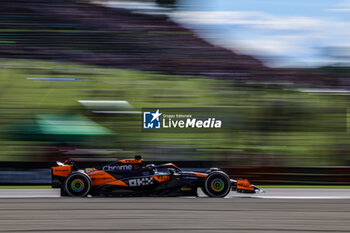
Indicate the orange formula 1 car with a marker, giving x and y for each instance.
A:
(131, 177)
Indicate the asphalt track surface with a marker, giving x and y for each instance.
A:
(278, 210)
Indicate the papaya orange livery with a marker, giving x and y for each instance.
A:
(161, 178)
(101, 178)
(244, 184)
(131, 161)
(62, 171)
(132, 177)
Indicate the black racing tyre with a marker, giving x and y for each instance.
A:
(217, 184)
(63, 192)
(205, 192)
(77, 184)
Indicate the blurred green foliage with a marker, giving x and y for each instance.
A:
(249, 144)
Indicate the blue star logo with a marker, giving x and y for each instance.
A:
(151, 120)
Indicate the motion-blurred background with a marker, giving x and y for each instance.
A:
(75, 75)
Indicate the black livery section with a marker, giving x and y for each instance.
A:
(132, 177)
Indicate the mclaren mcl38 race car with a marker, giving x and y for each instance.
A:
(132, 177)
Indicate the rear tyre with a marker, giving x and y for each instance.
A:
(217, 184)
(63, 192)
(77, 184)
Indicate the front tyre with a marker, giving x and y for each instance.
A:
(217, 184)
(77, 184)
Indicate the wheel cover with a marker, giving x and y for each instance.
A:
(217, 185)
(77, 185)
